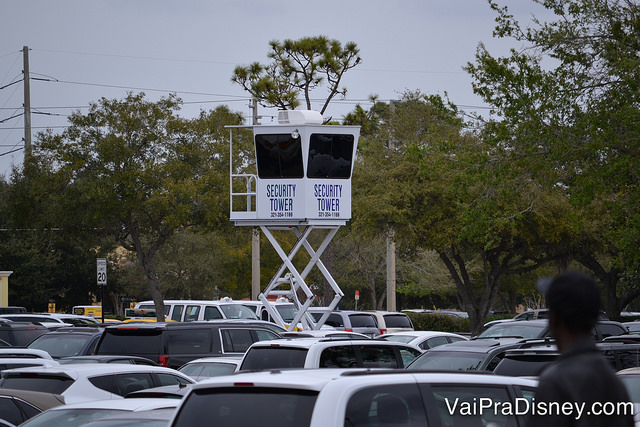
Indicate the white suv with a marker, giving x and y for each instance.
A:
(327, 353)
(346, 398)
(392, 321)
(91, 381)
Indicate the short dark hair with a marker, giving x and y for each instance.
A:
(575, 299)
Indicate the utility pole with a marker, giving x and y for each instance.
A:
(27, 102)
(391, 245)
(255, 235)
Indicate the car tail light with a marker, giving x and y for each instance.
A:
(383, 331)
(348, 329)
(163, 360)
(243, 384)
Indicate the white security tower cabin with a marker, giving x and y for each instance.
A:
(303, 183)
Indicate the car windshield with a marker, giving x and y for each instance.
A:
(514, 329)
(68, 417)
(448, 360)
(58, 345)
(270, 407)
(237, 311)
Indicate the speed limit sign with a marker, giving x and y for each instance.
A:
(102, 271)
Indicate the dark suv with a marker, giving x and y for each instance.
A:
(472, 355)
(540, 328)
(174, 344)
(20, 333)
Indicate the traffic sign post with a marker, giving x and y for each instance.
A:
(357, 298)
(101, 264)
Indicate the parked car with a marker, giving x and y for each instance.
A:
(207, 367)
(346, 398)
(531, 361)
(471, 355)
(173, 344)
(527, 362)
(83, 382)
(74, 319)
(17, 406)
(68, 341)
(326, 353)
(423, 340)
(198, 310)
(539, 329)
(347, 320)
(392, 321)
(76, 415)
(20, 333)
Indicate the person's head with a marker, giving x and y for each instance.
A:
(573, 300)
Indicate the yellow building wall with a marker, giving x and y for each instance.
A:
(4, 287)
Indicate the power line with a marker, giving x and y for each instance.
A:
(154, 58)
(11, 151)
(136, 88)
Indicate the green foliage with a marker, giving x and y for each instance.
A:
(298, 67)
(567, 109)
(439, 322)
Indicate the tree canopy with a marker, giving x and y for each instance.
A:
(298, 67)
(140, 172)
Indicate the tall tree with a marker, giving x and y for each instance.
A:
(141, 173)
(298, 67)
(568, 102)
(447, 190)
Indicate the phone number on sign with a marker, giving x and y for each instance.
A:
(281, 214)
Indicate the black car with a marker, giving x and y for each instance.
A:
(68, 341)
(621, 354)
(540, 329)
(472, 355)
(173, 344)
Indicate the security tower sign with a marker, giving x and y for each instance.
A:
(102, 271)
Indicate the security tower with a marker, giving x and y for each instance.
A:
(303, 184)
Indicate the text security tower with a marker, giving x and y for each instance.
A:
(303, 183)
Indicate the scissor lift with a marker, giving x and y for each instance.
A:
(302, 185)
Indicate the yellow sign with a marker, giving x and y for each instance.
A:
(52, 307)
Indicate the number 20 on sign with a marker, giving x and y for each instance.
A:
(102, 271)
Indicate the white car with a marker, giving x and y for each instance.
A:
(342, 397)
(75, 415)
(424, 340)
(327, 353)
(91, 381)
(392, 321)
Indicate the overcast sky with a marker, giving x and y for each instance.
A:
(90, 49)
